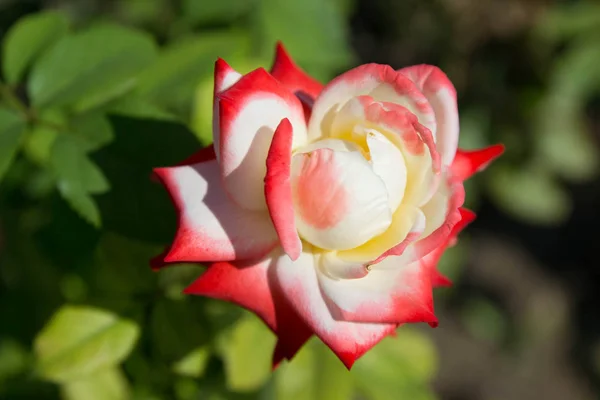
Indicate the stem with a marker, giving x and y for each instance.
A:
(14, 101)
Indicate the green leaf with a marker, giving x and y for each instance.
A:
(81, 202)
(199, 12)
(41, 137)
(529, 193)
(80, 341)
(562, 138)
(402, 365)
(564, 21)
(107, 384)
(90, 67)
(92, 129)
(295, 380)
(315, 373)
(485, 320)
(12, 127)
(193, 364)
(247, 354)
(74, 169)
(77, 177)
(320, 21)
(136, 206)
(173, 78)
(175, 329)
(27, 39)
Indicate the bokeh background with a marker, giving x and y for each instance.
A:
(96, 92)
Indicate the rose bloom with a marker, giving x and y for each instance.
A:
(325, 209)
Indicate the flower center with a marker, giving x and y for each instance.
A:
(346, 188)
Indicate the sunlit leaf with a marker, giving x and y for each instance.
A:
(319, 21)
(173, 77)
(194, 363)
(90, 66)
(107, 384)
(79, 341)
(27, 39)
(247, 354)
(12, 127)
(402, 365)
(198, 12)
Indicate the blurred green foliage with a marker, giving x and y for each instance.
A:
(93, 97)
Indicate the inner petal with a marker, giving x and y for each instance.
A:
(340, 201)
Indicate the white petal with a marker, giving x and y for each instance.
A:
(250, 111)
(340, 202)
(212, 227)
(388, 163)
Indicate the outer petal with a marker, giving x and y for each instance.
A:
(224, 78)
(286, 71)
(431, 260)
(446, 209)
(468, 162)
(340, 202)
(249, 112)
(278, 190)
(249, 285)
(380, 82)
(211, 227)
(390, 293)
(440, 92)
(348, 340)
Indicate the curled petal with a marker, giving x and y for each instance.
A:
(407, 226)
(286, 71)
(440, 92)
(430, 261)
(278, 189)
(224, 78)
(348, 340)
(443, 213)
(211, 227)
(340, 202)
(380, 82)
(390, 293)
(249, 113)
(388, 163)
(468, 162)
(363, 115)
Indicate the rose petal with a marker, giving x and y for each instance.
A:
(249, 112)
(380, 82)
(340, 202)
(248, 285)
(278, 190)
(390, 293)
(362, 115)
(348, 340)
(224, 78)
(407, 226)
(286, 71)
(431, 260)
(440, 92)
(468, 162)
(211, 227)
(388, 163)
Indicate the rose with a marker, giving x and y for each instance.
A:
(325, 209)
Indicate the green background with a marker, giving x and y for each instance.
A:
(94, 93)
